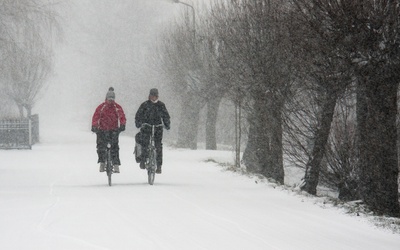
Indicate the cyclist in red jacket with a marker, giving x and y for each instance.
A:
(107, 122)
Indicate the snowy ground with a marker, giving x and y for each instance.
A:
(53, 197)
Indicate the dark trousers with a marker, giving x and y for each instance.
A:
(145, 141)
(103, 137)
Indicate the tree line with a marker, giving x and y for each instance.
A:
(28, 29)
(315, 82)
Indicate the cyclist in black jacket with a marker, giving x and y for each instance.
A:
(153, 112)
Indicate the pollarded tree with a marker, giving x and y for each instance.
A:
(27, 32)
(230, 71)
(253, 44)
(192, 69)
(216, 82)
(27, 75)
(181, 64)
(341, 157)
(365, 34)
(325, 74)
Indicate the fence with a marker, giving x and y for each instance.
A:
(19, 133)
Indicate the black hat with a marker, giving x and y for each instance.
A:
(110, 94)
(154, 92)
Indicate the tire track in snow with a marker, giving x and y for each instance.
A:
(220, 218)
(119, 213)
(43, 229)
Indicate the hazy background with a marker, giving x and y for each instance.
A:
(106, 43)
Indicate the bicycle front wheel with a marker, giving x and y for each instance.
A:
(151, 171)
(109, 167)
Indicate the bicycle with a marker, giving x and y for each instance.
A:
(109, 165)
(109, 162)
(151, 160)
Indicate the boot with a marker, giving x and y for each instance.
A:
(116, 168)
(102, 166)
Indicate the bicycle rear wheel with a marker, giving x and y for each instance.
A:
(151, 176)
(109, 178)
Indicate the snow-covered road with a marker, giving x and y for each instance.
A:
(53, 197)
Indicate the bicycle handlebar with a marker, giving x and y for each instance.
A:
(149, 125)
(114, 130)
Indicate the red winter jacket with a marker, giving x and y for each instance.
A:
(107, 115)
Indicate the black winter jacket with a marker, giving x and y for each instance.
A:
(153, 114)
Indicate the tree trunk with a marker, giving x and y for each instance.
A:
(321, 138)
(275, 169)
(21, 110)
(255, 156)
(376, 116)
(348, 190)
(238, 131)
(189, 123)
(28, 110)
(249, 155)
(211, 122)
(264, 150)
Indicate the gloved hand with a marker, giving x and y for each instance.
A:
(95, 129)
(121, 128)
(138, 124)
(167, 127)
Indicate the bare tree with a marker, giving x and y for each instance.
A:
(27, 32)
(341, 157)
(192, 69)
(27, 75)
(365, 34)
(252, 51)
(181, 67)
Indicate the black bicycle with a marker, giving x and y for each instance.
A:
(107, 142)
(151, 160)
(109, 164)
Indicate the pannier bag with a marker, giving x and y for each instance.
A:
(138, 147)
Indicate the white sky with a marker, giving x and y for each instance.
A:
(104, 44)
(53, 197)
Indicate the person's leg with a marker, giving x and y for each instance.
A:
(145, 140)
(115, 150)
(101, 147)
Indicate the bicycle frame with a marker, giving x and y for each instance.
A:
(151, 160)
(109, 165)
(105, 140)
